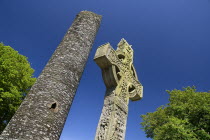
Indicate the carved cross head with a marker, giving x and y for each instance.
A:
(118, 70)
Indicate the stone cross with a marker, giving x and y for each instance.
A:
(122, 84)
(43, 112)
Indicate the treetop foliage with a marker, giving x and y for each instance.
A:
(185, 117)
(15, 82)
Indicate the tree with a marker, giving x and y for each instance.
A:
(15, 82)
(185, 117)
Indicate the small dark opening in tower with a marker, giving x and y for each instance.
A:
(121, 57)
(53, 106)
(131, 88)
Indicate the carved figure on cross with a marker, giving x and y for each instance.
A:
(122, 84)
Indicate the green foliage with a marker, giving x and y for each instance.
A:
(15, 82)
(185, 117)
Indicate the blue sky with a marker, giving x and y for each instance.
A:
(170, 38)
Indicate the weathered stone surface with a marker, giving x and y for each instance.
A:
(42, 114)
(122, 84)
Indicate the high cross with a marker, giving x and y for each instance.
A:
(122, 84)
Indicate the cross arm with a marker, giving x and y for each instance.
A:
(135, 91)
(102, 58)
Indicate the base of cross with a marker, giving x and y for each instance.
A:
(112, 124)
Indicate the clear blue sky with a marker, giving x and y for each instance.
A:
(170, 38)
